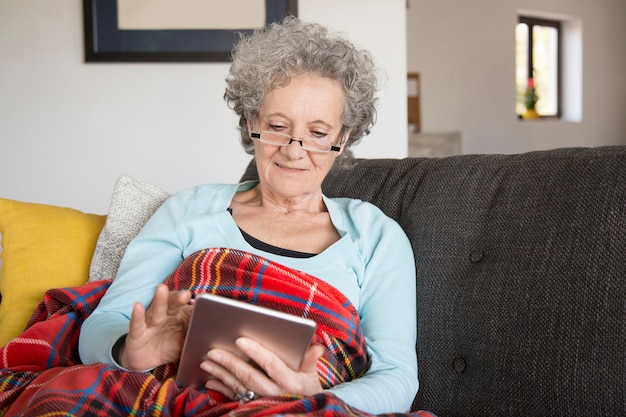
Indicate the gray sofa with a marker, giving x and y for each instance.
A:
(521, 276)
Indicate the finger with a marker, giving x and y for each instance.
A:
(184, 314)
(177, 299)
(264, 357)
(274, 369)
(311, 356)
(136, 330)
(159, 306)
(137, 321)
(217, 385)
(282, 378)
(219, 365)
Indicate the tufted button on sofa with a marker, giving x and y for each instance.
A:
(521, 276)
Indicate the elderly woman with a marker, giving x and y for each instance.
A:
(304, 97)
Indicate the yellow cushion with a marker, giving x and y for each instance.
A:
(43, 247)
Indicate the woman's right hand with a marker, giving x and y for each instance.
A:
(156, 335)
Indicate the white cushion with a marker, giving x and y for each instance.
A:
(132, 204)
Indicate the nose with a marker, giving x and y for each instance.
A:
(295, 140)
(294, 151)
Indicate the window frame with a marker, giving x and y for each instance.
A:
(556, 24)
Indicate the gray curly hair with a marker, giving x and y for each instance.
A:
(269, 57)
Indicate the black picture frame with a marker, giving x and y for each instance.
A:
(104, 42)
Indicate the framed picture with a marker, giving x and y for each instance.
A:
(174, 31)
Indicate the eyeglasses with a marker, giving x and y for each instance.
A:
(309, 144)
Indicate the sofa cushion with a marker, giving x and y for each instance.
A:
(132, 204)
(43, 247)
(520, 276)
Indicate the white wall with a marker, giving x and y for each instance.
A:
(68, 129)
(464, 52)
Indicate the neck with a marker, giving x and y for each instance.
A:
(305, 203)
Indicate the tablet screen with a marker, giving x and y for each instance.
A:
(217, 322)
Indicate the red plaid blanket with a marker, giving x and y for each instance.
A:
(41, 373)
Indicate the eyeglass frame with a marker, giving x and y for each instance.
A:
(332, 148)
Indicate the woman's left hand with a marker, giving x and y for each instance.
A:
(232, 375)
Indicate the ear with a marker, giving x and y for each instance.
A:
(249, 122)
(343, 140)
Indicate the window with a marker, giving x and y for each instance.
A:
(537, 64)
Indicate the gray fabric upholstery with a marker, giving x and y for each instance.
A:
(521, 276)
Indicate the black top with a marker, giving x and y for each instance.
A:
(266, 247)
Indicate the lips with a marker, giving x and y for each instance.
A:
(288, 167)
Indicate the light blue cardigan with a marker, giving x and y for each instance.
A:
(372, 264)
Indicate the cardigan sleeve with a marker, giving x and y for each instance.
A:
(149, 258)
(387, 308)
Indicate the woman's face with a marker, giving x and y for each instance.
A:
(310, 106)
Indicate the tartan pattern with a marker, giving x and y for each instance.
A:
(247, 277)
(41, 373)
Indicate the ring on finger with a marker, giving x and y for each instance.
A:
(244, 397)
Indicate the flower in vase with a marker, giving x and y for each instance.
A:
(530, 95)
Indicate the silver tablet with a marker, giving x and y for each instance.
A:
(216, 322)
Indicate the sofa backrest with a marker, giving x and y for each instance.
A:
(521, 276)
